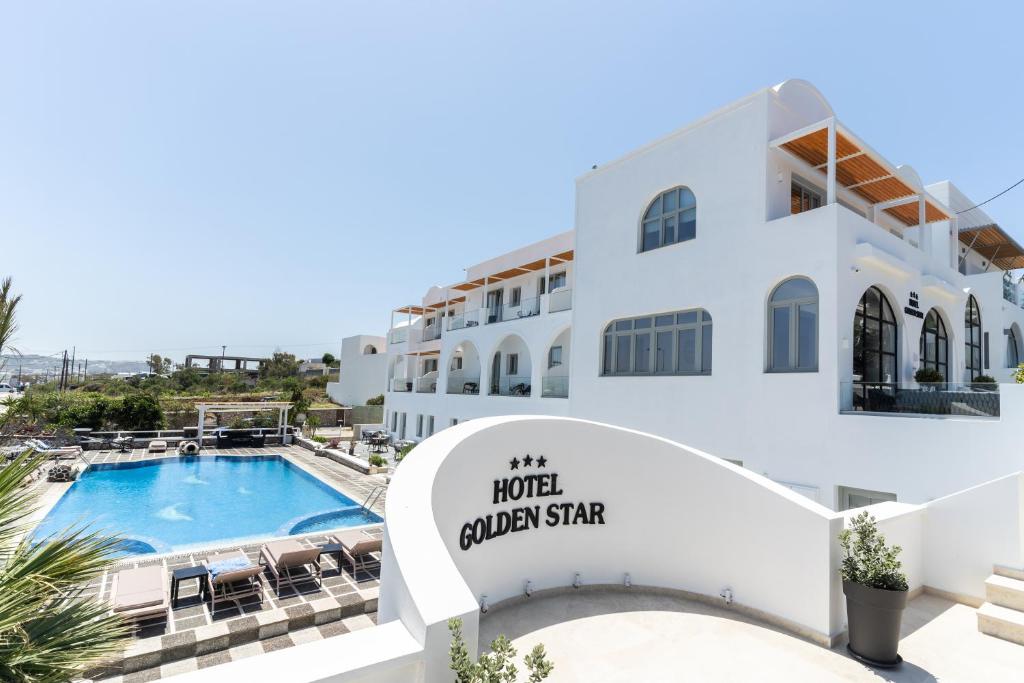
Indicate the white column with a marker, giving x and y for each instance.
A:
(922, 225)
(831, 174)
(202, 421)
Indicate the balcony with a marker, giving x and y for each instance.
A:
(470, 318)
(431, 332)
(560, 300)
(944, 398)
(527, 308)
(554, 387)
(512, 385)
(465, 384)
(399, 335)
(426, 384)
(403, 384)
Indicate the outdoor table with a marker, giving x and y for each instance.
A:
(332, 549)
(179, 575)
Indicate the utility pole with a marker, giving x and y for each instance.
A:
(71, 368)
(86, 376)
(223, 349)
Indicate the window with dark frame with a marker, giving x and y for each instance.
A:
(670, 218)
(972, 339)
(934, 346)
(676, 343)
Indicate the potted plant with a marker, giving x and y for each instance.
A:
(984, 383)
(929, 376)
(876, 592)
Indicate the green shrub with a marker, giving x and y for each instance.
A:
(404, 451)
(140, 411)
(928, 376)
(495, 666)
(319, 439)
(378, 460)
(378, 400)
(867, 559)
(984, 379)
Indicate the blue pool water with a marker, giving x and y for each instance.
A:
(176, 504)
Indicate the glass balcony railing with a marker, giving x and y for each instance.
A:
(469, 318)
(526, 308)
(560, 300)
(401, 384)
(464, 384)
(555, 387)
(977, 399)
(426, 385)
(512, 385)
(431, 332)
(400, 335)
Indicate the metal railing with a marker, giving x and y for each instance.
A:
(977, 399)
(512, 385)
(426, 385)
(560, 300)
(465, 384)
(470, 318)
(401, 384)
(526, 308)
(431, 332)
(554, 387)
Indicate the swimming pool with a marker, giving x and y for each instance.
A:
(176, 504)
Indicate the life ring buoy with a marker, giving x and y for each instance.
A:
(188, 448)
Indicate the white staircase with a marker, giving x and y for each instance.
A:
(1002, 615)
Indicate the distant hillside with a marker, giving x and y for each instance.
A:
(33, 365)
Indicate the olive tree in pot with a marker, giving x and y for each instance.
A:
(876, 592)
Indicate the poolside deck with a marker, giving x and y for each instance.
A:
(192, 636)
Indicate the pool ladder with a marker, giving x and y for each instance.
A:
(375, 494)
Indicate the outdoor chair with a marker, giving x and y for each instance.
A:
(124, 444)
(357, 548)
(231, 576)
(140, 593)
(470, 388)
(55, 452)
(521, 389)
(281, 557)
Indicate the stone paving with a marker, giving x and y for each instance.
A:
(191, 636)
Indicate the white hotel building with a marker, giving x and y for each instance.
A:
(762, 285)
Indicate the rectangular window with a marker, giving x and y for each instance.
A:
(804, 197)
(663, 353)
(401, 427)
(554, 356)
(512, 367)
(457, 363)
(643, 352)
(780, 337)
(430, 425)
(394, 421)
(623, 353)
(606, 362)
(807, 336)
(429, 365)
(687, 352)
(516, 296)
(419, 426)
(454, 421)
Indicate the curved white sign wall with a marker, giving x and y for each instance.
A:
(481, 508)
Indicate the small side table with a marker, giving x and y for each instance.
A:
(185, 574)
(332, 549)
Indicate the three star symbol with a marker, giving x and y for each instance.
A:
(527, 461)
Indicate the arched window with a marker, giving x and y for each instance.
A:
(874, 339)
(1012, 350)
(677, 343)
(935, 344)
(793, 327)
(369, 350)
(670, 218)
(972, 339)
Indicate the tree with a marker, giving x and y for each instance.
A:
(495, 666)
(8, 319)
(50, 631)
(313, 423)
(329, 360)
(280, 365)
(139, 411)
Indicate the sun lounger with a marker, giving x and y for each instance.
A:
(357, 548)
(157, 446)
(231, 576)
(281, 557)
(141, 593)
(54, 451)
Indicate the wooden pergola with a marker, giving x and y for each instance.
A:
(992, 242)
(282, 408)
(828, 149)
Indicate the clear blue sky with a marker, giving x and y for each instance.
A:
(182, 175)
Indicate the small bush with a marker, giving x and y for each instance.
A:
(984, 379)
(867, 559)
(378, 400)
(378, 460)
(928, 376)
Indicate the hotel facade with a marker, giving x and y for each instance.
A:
(762, 285)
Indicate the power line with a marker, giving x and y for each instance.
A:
(992, 197)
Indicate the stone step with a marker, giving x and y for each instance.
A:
(1001, 622)
(1005, 592)
(1008, 571)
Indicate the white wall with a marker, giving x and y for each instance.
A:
(363, 375)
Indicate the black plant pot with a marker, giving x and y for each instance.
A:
(874, 616)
